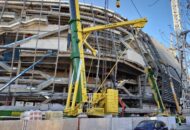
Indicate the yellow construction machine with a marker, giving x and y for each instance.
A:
(104, 100)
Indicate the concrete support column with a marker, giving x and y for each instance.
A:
(18, 69)
(13, 101)
(140, 90)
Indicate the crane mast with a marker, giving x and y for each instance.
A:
(178, 29)
(176, 16)
(180, 48)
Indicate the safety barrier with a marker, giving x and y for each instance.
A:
(83, 123)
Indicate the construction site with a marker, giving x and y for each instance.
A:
(66, 65)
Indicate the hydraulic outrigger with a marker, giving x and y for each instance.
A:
(105, 101)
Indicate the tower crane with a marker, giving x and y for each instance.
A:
(180, 40)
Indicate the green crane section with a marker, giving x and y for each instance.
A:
(155, 90)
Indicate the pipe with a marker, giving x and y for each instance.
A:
(23, 72)
(21, 41)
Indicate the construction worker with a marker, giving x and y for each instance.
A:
(178, 118)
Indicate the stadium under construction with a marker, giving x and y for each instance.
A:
(39, 62)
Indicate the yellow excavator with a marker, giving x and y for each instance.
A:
(104, 100)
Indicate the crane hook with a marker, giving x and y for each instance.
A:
(117, 3)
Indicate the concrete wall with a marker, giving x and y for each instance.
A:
(133, 56)
(188, 120)
(120, 123)
(83, 124)
(65, 124)
(51, 43)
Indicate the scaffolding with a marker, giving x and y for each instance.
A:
(31, 31)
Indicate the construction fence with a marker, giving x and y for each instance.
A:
(83, 124)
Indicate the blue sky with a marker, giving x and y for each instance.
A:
(160, 21)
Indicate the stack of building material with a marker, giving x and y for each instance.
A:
(31, 115)
(49, 115)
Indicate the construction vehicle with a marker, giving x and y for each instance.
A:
(156, 92)
(104, 100)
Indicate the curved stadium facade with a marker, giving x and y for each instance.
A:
(29, 30)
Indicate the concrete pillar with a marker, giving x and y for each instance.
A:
(140, 90)
(13, 101)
